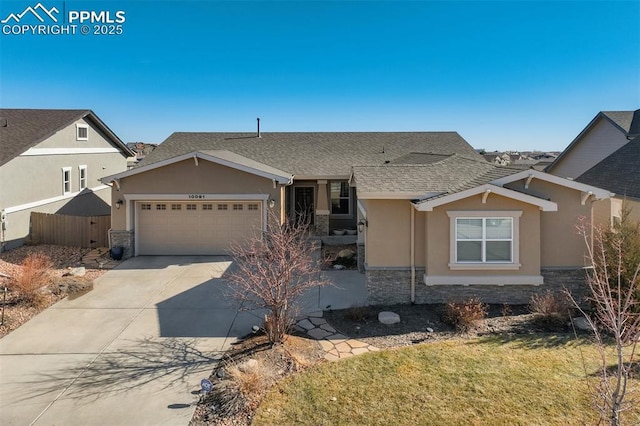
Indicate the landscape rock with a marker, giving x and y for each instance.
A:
(339, 267)
(429, 330)
(346, 253)
(386, 317)
(581, 323)
(80, 271)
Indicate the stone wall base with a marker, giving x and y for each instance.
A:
(123, 239)
(394, 286)
(361, 257)
(321, 224)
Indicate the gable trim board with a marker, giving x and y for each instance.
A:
(67, 151)
(224, 158)
(485, 190)
(599, 193)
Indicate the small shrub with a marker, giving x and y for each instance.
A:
(465, 315)
(357, 313)
(552, 310)
(31, 280)
(242, 387)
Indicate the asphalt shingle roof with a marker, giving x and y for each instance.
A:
(619, 172)
(21, 129)
(316, 154)
(629, 121)
(449, 175)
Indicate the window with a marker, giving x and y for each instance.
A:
(66, 180)
(222, 207)
(191, 207)
(176, 206)
(161, 206)
(252, 207)
(340, 198)
(82, 132)
(487, 239)
(237, 206)
(83, 177)
(145, 206)
(207, 207)
(484, 240)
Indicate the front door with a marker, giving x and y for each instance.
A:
(303, 203)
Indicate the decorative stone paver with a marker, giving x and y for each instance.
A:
(335, 345)
(99, 258)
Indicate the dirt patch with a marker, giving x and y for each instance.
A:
(63, 258)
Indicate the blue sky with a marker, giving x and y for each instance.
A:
(504, 74)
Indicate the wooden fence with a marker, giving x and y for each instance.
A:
(73, 231)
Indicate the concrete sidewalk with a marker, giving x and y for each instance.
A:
(134, 350)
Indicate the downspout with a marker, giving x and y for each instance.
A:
(412, 253)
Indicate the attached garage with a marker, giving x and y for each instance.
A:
(188, 228)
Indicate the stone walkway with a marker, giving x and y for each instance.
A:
(99, 258)
(335, 345)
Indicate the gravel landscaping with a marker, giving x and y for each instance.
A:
(62, 259)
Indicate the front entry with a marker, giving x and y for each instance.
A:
(303, 203)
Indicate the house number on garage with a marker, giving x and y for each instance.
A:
(196, 197)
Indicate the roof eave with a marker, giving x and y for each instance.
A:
(599, 193)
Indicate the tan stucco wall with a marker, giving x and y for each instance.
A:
(561, 244)
(439, 236)
(389, 234)
(605, 210)
(187, 178)
(602, 140)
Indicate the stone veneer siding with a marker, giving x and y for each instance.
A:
(123, 239)
(321, 226)
(361, 257)
(393, 286)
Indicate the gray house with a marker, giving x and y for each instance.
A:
(50, 162)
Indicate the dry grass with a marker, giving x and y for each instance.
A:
(527, 380)
(466, 315)
(32, 279)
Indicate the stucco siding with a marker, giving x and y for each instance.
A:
(66, 138)
(439, 235)
(561, 245)
(388, 234)
(598, 143)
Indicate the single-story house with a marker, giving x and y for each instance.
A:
(435, 221)
(50, 162)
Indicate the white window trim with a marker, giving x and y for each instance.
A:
(454, 265)
(64, 181)
(82, 126)
(350, 199)
(82, 168)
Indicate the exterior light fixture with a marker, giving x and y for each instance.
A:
(119, 204)
(362, 223)
(272, 203)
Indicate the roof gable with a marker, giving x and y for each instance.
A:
(599, 193)
(224, 158)
(21, 129)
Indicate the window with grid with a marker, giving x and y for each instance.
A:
(484, 240)
(222, 207)
(207, 207)
(66, 180)
(176, 206)
(340, 198)
(252, 207)
(161, 206)
(83, 177)
(145, 206)
(191, 207)
(82, 132)
(237, 206)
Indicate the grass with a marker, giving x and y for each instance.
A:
(521, 381)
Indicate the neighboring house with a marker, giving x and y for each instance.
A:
(51, 162)
(606, 154)
(435, 221)
(141, 150)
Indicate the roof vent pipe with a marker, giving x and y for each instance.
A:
(259, 127)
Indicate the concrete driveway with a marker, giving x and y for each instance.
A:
(134, 349)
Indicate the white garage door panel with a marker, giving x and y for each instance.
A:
(182, 228)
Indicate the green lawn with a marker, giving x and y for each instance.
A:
(530, 380)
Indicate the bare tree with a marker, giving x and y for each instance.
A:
(614, 318)
(273, 271)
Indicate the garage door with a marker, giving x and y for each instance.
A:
(183, 228)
